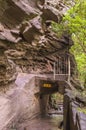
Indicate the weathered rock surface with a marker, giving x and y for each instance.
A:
(26, 41)
(19, 103)
(74, 116)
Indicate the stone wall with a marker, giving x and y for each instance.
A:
(73, 118)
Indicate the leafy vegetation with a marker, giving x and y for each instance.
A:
(82, 110)
(74, 21)
(58, 97)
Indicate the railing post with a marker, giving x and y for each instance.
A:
(54, 71)
(69, 73)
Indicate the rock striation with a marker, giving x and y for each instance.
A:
(27, 42)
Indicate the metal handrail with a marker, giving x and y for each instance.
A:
(65, 65)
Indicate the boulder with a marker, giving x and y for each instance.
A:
(50, 13)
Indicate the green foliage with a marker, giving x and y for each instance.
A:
(75, 22)
(57, 28)
(57, 96)
(83, 94)
(80, 57)
(82, 110)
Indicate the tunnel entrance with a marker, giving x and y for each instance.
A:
(51, 101)
(51, 104)
(50, 96)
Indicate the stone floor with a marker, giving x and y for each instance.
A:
(48, 123)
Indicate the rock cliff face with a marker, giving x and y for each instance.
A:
(27, 43)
